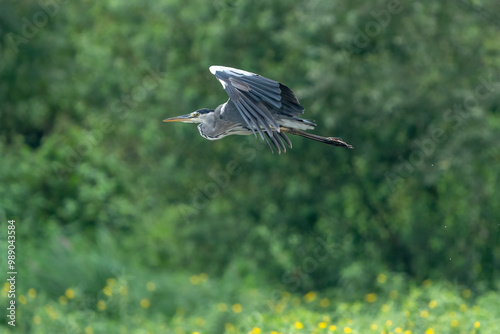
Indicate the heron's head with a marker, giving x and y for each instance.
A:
(198, 116)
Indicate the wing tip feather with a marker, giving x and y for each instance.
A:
(215, 68)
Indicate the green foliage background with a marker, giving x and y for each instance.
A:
(101, 188)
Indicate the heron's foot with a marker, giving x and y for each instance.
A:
(338, 142)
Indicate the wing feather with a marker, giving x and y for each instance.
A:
(275, 140)
(258, 100)
(286, 139)
(261, 109)
(249, 119)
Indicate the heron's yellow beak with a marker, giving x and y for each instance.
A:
(183, 119)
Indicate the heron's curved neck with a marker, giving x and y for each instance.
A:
(208, 126)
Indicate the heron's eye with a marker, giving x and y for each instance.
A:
(195, 114)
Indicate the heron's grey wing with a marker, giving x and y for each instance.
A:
(258, 99)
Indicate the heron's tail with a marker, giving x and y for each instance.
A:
(327, 140)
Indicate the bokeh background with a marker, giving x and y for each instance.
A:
(125, 224)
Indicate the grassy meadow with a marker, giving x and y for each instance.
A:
(126, 224)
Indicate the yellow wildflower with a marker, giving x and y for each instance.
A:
(51, 312)
(5, 289)
(101, 305)
(107, 291)
(22, 299)
(280, 307)
(194, 280)
(310, 296)
(237, 308)
(371, 297)
(203, 277)
(324, 302)
(144, 303)
(150, 286)
(381, 278)
(70, 293)
(111, 282)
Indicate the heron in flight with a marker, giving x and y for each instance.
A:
(256, 105)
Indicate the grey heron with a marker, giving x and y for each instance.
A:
(256, 105)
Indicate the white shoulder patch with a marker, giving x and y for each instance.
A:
(216, 68)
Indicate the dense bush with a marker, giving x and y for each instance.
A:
(415, 88)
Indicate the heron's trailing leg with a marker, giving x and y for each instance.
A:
(327, 140)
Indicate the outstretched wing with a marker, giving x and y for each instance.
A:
(259, 100)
